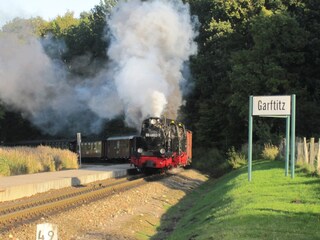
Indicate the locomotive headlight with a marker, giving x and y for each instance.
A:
(140, 150)
(162, 150)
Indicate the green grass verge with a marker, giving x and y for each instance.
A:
(272, 206)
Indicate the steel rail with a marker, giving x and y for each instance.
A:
(70, 193)
(28, 211)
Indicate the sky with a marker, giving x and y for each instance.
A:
(47, 9)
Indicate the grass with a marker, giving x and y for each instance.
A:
(272, 206)
(270, 152)
(27, 160)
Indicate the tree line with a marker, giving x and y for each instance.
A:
(245, 47)
(264, 47)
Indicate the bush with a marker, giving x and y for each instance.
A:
(210, 161)
(307, 168)
(270, 152)
(236, 159)
(256, 150)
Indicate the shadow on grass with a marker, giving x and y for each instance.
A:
(176, 213)
(206, 213)
(262, 226)
(267, 165)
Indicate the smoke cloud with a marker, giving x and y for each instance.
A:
(151, 41)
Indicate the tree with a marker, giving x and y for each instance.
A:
(272, 66)
(253, 47)
(60, 26)
(224, 29)
(87, 42)
(36, 26)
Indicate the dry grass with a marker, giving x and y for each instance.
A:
(28, 160)
(270, 152)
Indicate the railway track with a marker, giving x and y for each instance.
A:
(30, 209)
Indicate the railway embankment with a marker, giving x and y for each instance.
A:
(272, 206)
(188, 205)
(131, 214)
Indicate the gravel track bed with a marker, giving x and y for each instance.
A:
(133, 214)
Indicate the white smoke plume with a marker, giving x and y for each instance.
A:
(151, 41)
(39, 88)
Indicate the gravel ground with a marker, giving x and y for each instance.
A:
(133, 214)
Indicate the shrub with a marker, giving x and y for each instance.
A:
(236, 159)
(270, 152)
(307, 168)
(256, 150)
(210, 161)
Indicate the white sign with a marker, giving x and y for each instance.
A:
(47, 231)
(271, 106)
(78, 138)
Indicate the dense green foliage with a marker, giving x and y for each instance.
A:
(272, 206)
(253, 48)
(263, 47)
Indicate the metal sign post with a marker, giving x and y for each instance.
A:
(250, 139)
(274, 106)
(79, 147)
(287, 145)
(293, 133)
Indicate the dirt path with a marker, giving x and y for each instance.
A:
(134, 214)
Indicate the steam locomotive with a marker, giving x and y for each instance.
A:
(162, 144)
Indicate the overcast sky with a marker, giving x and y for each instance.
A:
(47, 9)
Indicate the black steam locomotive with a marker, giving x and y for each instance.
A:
(163, 144)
